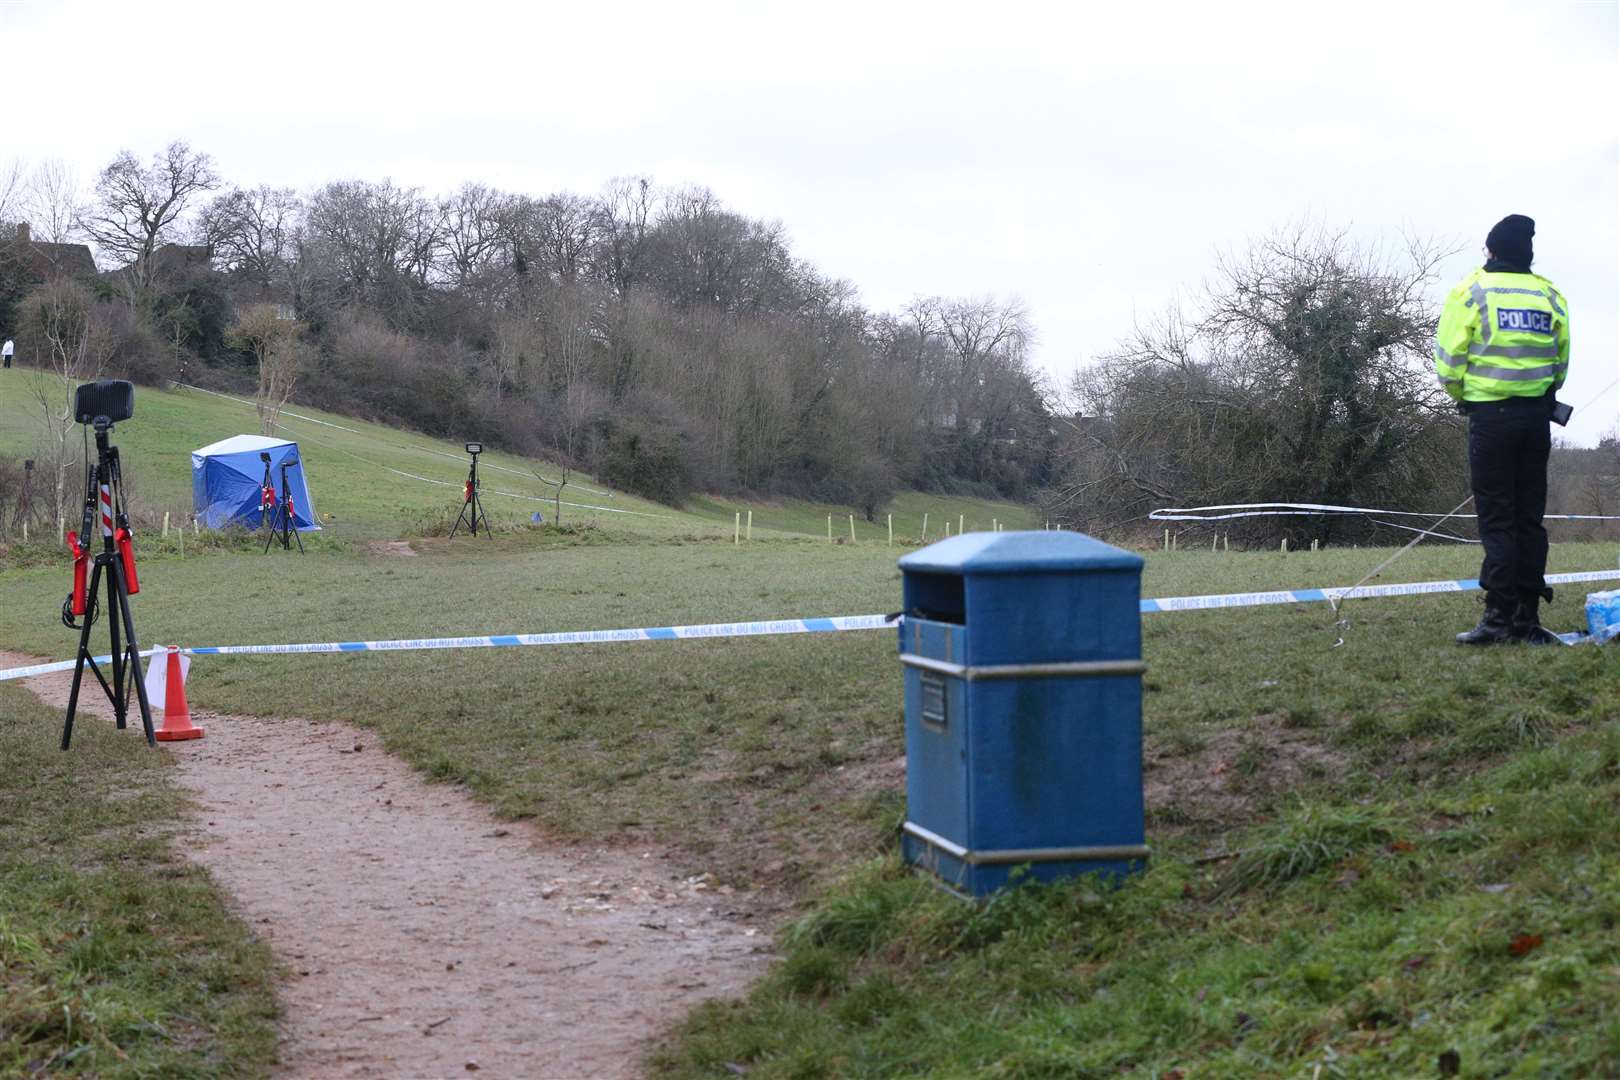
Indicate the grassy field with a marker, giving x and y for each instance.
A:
(1375, 790)
(116, 958)
(1368, 858)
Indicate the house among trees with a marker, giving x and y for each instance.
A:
(36, 261)
(174, 260)
(169, 263)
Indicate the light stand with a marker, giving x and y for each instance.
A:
(267, 495)
(472, 504)
(116, 560)
(284, 512)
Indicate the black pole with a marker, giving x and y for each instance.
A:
(84, 651)
(289, 527)
(135, 661)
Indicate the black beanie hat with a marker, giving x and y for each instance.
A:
(1509, 239)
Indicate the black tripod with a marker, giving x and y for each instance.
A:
(283, 512)
(105, 493)
(472, 505)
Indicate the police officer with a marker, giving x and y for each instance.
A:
(1502, 352)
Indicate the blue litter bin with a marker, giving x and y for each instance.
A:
(1022, 654)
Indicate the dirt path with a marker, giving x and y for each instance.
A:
(423, 938)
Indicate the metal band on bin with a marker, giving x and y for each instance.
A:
(1075, 669)
(1015, 856)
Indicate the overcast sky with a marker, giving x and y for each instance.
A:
(1094, 163)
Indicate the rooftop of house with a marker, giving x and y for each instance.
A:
(46, 260)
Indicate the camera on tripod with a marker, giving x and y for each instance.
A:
(474, 448)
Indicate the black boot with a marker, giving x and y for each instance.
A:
(1526, 624)
(1494, 627)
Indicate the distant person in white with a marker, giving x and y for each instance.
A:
(5, 352)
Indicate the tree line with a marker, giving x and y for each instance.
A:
(645, 333)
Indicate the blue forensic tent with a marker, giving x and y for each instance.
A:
(226, 478)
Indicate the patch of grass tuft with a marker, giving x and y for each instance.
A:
(815, 972)
(1309, 839)
(1302, 716)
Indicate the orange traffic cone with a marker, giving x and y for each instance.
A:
(176, 715)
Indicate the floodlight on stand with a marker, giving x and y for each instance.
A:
(106, 401)
(100, 405)
(472, 505)
(279, 513)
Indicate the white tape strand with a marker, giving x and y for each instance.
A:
(1284, 509)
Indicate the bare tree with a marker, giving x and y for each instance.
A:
(1305, 377)
(624, 218)
(567, 227)
(53, 201)
(277, 345)
(474, 228)
(381, 241)
(981, 332)
(63, 329)
(11, 189)
(136, 208)
(253, 232)
(570, 344)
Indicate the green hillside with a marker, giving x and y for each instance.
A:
(372, 481)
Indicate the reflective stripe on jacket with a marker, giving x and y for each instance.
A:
(1502, 335)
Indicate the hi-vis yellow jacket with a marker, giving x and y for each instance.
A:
(1502, 335)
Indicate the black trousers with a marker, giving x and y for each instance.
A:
(1508, 445)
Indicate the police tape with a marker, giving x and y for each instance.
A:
(493, 641)
(831, 624)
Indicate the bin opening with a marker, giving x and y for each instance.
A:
(940, 597)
